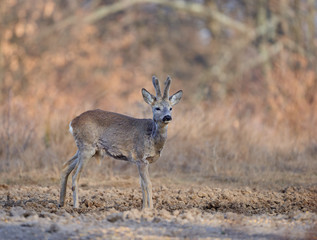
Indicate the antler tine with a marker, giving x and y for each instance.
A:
(167, 87)
(156, 85)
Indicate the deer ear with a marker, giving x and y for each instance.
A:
(176, 97)
(148, 97)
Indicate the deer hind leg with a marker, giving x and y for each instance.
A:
(67, 169)
(83, 158)
(146, 185)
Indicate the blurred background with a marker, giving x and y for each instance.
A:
(247, 68)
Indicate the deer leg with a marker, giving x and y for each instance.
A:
(84, 157)
(67, 169)
(144, 195)
(143, 185)
(146, 185)
(149, 189)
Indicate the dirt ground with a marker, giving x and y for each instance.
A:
(112, 210)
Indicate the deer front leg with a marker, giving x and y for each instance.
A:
(144, 194)
(146, 184)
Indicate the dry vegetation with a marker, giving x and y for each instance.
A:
(247, 68)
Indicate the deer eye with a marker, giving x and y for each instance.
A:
(157, 109)
(171, 109)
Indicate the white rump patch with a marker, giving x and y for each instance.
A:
(70, 128)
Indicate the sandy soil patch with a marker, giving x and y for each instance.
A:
(31, 212)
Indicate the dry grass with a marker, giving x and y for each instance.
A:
(207, 142)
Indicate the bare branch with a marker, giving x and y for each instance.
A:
(192, 8)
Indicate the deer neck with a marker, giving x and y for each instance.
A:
(159, 135)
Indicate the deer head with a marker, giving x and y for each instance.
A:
(162, 105)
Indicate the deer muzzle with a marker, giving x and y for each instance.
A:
(167, 118)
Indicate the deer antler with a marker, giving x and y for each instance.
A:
(167, 87)
(156, 85)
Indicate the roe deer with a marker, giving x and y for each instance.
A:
(139, 141)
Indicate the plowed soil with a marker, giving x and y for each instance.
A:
(113, 211)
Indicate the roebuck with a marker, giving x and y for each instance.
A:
(139, 141)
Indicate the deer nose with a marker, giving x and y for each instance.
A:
(167, 118)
